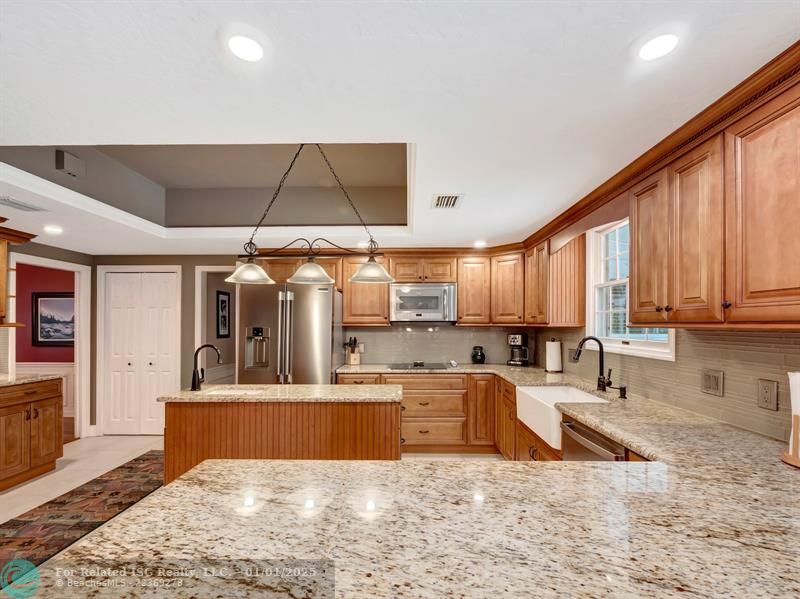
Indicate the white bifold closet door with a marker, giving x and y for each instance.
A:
(141, 344)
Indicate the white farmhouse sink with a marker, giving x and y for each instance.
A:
(536, 409)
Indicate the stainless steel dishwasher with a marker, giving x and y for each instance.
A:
(580, 443)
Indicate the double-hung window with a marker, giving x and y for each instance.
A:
(607, 294)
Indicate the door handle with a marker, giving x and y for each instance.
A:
(567, 427)
(532, 452)
(424, 403)
(425, 432)
(27, 413)
(35, 413)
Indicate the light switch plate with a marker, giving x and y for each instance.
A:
(713, 382)
(767, 394)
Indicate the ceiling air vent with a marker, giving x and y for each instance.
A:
(446, 201)
(10, 202)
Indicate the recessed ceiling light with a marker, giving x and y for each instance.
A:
(245, 48)
(53, 230)
(658, 47)
(479, 244)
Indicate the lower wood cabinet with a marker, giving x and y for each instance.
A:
(31, 428)
(505, 429)
(531, 448)
(358, 379)
(480, 411)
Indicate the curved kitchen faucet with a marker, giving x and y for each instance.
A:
(603, 379)
(199, 377)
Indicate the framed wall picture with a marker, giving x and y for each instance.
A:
(223, 314)
(53, 319)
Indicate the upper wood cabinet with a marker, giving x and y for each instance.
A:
(762, 213)
(566, 303)
(474, 290)
(696, 233)
(364, 303)
(508, 290)
(536, 283)
(649, 205)
(280, 270)
(333, 266)
(428, 270)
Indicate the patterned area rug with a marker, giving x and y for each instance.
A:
(40, 533)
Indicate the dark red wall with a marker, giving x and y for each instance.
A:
(33, 279)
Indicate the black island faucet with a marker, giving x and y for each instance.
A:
(199, 376)
(603, 379)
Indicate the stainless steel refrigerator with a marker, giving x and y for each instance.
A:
(288, 334)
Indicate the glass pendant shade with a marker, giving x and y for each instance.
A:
(310, 273)
(250, 273)
(371, 272)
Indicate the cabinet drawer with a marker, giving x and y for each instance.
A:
(358, 379)
(435, 432)
(434, 403)
(509, 390)
(29, 392)
(428, 382)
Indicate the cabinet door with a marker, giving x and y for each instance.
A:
(15, 455)
(474, 290)
(567, 286)
(46, 431)
(364, 303)
(440, 270)
(762, 213)
(525, 444)
(407, 270)
(333, 266)
(649, 249)
(695, 275)
(480, 414)
(507, 446)
(280, 270)
(507, 289)
(536, 283)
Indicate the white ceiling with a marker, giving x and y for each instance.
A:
(522, 107)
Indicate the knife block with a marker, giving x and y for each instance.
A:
(353, 358)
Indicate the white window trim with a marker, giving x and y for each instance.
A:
(642, 349)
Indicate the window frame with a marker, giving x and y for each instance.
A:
(655, 350)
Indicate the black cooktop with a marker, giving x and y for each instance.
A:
(419, 366)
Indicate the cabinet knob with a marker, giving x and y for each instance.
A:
(402, 441)
(659, 308)
(532, 452)
(129, 364)
(726, 304)
(420, 277)
(667, 308)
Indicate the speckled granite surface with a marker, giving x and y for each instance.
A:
(22, 379)
(289, 393)
(430, 529)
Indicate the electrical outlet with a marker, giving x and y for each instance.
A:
(767, 394)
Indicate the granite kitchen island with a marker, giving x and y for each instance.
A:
(313, 422)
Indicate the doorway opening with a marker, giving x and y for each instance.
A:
(215, 322)
(52, 299)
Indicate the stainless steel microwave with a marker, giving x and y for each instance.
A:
(422, 302)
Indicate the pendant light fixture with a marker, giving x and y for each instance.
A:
(310, 272)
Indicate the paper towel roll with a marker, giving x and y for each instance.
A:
(553, 356)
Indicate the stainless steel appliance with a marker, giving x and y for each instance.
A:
(422, 302)
(288, 334)
(520, 354)
(582, 444)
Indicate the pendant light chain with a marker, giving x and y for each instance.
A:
(373, 246)
(250, 246)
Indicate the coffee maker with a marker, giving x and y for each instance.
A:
(519, 350)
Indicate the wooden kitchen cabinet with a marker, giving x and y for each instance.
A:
(358, 379)
(365, 304)
(15, 438)
(508, 290)
(505, 428)
(537, 283)
(409, 269)
(31, 425)
(280, 270)
(695, 261)
(649, 206)
(474, 290)
(481, 411)
(332, 266)
(566, 304)
(762, 213)
(531, 448)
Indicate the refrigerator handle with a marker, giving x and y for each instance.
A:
(289, 334)
(281, 310)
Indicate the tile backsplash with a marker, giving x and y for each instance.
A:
(744, 357)
(434, 343)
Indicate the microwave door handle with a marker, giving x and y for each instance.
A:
(445, 305)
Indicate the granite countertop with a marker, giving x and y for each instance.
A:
(519, 376)
(289, 393)
(23, 379)
(429, 529)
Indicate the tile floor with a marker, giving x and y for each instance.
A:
(83, 460)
